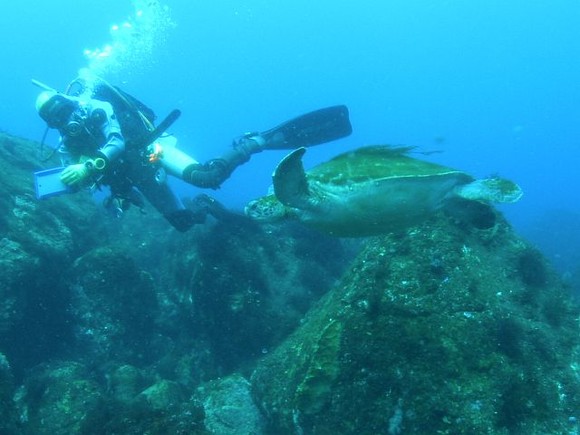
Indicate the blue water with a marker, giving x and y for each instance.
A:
(494, 84)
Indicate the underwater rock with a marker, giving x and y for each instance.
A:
(438, 330)
(38, 240)
(186, 360)
(229, 408)
(113, 306)
(125, 383)
(246, 286)
(161, 408)
(16, 264)
(163, 395)
(60, 398)
(8, 413)
(43, 227)
(63, 398)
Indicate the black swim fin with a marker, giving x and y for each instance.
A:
(313, 128)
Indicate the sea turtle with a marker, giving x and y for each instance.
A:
(373, 190)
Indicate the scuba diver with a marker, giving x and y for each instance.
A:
(108, 138)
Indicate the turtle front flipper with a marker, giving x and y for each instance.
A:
(290, 183)
(490, 190)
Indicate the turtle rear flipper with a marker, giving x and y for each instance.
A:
(290, 183)
(490, 190)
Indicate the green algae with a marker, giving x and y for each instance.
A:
(313, 393)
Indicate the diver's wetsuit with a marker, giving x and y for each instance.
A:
(94, 131)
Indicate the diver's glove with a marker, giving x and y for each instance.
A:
(77, 173)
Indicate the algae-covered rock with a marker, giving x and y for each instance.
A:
(229, 407)
(60, 398)
(113, 304)
(16, 264)
(443, 329)
(247, 287)
(43, 227)
(162, 395)
(125, 382)
(161, 408)
(322, 369)
(8, 413)
(38, 240)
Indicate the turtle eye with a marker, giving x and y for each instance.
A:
(250, 209)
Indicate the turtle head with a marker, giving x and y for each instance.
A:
(266, 209)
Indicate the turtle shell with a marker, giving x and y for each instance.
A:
(377, 163)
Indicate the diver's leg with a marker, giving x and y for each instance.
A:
(169, 205)
(310, 129)
(214, 172)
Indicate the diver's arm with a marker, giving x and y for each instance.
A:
(114, 144)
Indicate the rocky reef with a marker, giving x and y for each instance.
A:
(442, 330)
(128, 326)
(124, 326)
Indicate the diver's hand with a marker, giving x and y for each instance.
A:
(77, 173)
(74, 174)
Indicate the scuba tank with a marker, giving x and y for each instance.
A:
(163, 151)
(137, 125)
(136, 118)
